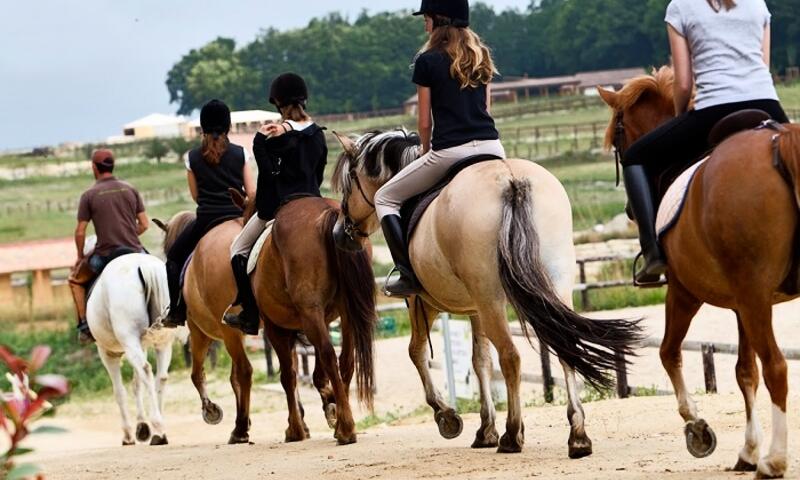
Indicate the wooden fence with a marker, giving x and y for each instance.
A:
(150, 198)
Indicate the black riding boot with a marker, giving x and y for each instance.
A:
(177, 307)
(248, 319)
(407, 285)
(84, 334)
(641, 202)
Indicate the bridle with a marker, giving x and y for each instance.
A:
(619, 141)
(354, 229)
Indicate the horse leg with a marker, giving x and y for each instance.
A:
(449, 422)
(325, 392)
(580, 445)
(681, 307)
(142, 428)
(144, 376)
(317, 332)
(241, 382)
(747, 378)
(757, 321)
(283, 342)
(486, 436)
(163, 360)
(495, 324)
(212, 413)
(113, 364)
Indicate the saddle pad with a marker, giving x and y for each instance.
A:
(674, 199)
(413, 208)
(252, 261)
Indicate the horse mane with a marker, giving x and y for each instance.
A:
(381, 155)
(659, 84)
(176, 225)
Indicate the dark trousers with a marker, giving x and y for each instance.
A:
(684, 139)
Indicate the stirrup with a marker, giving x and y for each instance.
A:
(390, 294)
(662, 280)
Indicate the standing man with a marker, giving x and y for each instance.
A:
(117, 213)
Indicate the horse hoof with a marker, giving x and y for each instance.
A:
(772, 466)
(346, 440)
(576, 452)
(450, 424)
(212, 414)
(700, 439)
(159, 440)
(238, 439)
(128, 443)
(482, 440)
(743, 466)
(507, 445)
(330, 415)
(292, 436)
(143, 432)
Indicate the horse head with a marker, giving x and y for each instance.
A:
(364, 166)
(174, 227)
(643, 104)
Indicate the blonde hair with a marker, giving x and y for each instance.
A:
(295, 113)
(472, 63)
(718, 4)
(214, 148)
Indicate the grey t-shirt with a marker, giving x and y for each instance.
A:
(726, 49)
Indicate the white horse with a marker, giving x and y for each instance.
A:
(124, 312)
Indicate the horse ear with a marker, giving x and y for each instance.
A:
(238, 198)
(160, 224)
(608, 96)
(348, 145)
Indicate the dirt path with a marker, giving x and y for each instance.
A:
(634, 438)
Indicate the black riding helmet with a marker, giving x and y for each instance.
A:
(215, 118)
(457, 11)
(288, 89)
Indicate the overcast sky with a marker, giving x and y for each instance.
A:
(80, 70)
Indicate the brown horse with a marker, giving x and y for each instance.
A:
(303, 284)
(734, 247)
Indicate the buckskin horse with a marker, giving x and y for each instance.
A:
(302, 283)
(733, 246)
(499, 233)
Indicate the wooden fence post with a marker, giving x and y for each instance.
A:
(709, 372)
(623, 391)
(585, 292)
(547, 374)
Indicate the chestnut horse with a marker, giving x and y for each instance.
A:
(302, 283)
(733, 247)
(499, 233)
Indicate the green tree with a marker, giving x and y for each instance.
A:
(156, 149)
(180, 145)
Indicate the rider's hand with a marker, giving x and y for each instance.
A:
(273, 130)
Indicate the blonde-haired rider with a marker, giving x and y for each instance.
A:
(452, 73)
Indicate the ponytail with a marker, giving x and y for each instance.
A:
(214, 148)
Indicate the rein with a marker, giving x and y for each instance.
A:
(352, 228)
(619, 138)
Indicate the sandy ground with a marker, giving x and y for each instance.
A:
(633, 438)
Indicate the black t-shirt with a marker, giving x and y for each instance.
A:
(213, 182)
(459, 115)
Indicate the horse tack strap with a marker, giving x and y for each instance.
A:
(777, 159)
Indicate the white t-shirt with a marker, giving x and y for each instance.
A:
(726, 49)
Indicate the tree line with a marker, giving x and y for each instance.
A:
(365, 64)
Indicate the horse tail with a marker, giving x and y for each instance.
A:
(356, 294)
(153, 276)
(586, 345)
(789, 149)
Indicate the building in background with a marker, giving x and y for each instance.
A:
(155, 125)
(243, 122)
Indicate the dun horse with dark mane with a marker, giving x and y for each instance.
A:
(734, 246)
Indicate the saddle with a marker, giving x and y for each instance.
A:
(115, 254)
(413, 208)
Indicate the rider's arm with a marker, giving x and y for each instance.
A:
(766, 45)
(249, 182)
(682, 66)
(489, 98)
(192, 184)
(144, 223)
(80, 237)
(424, 121)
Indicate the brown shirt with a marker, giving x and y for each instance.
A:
(113, 207)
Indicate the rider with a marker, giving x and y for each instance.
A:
(722, 47)
(452, 72)
(117, 213)
(212, 169)
(291, 158)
